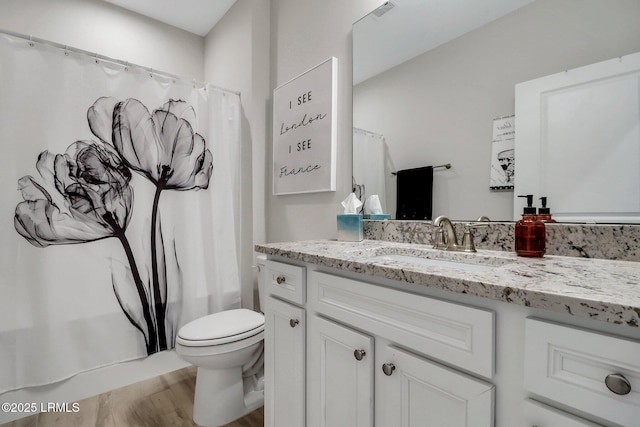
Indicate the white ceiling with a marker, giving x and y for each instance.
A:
(194, 16)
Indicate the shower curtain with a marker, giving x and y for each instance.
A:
(369, 167)
(120, 195)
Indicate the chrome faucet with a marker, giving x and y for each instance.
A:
(445, 235)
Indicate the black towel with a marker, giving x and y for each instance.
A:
(414, 193)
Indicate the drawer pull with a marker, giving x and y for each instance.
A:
(618, 384)
(280, 280)
(293, 322)
(388, 368)
(359, 354)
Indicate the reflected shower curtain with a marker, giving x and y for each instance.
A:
(369, 164)
(118, 220)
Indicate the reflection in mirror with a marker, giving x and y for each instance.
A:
(438, 107)
(370, 167)
(579, 132)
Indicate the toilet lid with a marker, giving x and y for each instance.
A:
(225, 326)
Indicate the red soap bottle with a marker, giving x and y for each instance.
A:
(530, 232)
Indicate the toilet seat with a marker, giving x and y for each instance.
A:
(221, 328)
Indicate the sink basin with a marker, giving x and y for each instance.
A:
(461, 261)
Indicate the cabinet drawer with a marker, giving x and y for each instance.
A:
(454, 334)
(286, 281)
(570, 365)
(538, 415)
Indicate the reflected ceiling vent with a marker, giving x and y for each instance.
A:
(383, 9)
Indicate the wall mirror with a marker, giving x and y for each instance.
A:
(430, 78)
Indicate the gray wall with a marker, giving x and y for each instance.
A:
(438, 108)
(305, 33)
(98, 26)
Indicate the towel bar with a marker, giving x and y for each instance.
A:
(447, 166)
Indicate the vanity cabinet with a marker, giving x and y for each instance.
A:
(383, 345)
(285, 342)
(369, 357)
(344, 348)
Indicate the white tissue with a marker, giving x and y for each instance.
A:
(372, 205)
(351, 204)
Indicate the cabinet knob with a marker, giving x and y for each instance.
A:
(359, 354)
(388, 368)
(618, 384)
(280, 280)
(293, 322)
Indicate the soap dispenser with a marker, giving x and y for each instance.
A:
(530, 232)
(544, 213)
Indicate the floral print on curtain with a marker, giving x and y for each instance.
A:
(85, 195)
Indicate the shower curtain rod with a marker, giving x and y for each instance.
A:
(368, 132)
(32, 40)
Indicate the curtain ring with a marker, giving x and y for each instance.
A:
(31, 43)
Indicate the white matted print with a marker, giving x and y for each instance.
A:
(305, 132)
(503, 154)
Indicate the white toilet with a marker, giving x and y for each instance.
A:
(227, 347)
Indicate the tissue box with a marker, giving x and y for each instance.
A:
(377, 216)
(350, 227)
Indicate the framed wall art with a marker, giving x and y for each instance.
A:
(305, 132)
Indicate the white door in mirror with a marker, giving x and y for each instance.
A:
(577, 141)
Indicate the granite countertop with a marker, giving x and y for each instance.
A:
(605, 290)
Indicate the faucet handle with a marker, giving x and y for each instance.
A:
(467, 241)
(470, 225)
(438, 238)
(467, 238)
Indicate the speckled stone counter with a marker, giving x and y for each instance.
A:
(605, 290)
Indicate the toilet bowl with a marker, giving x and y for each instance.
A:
(227, 349)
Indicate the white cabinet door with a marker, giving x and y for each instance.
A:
(339, 376)
(284, 364)
(414, 392)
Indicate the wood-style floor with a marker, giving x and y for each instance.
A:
(164, 401)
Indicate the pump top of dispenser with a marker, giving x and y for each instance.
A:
(544, 210)
(529, 209)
